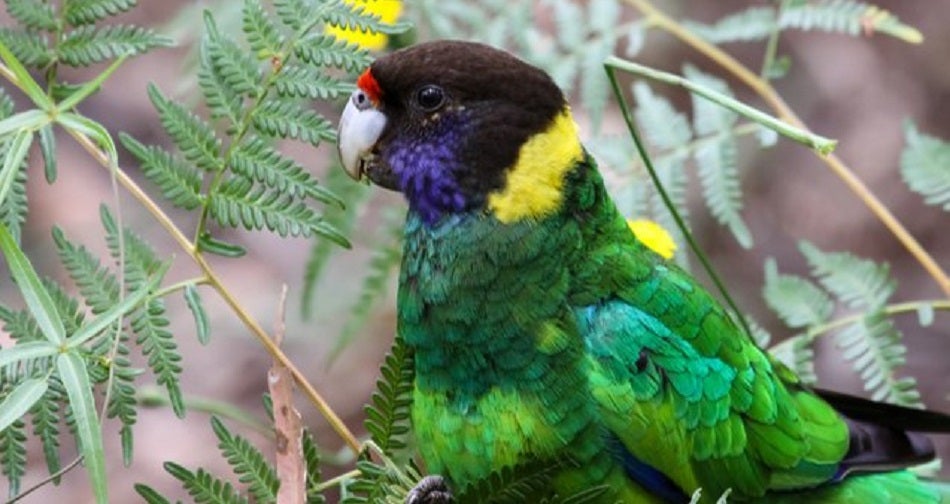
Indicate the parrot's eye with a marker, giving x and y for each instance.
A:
(430, 98)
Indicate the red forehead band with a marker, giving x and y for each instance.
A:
(368, 84)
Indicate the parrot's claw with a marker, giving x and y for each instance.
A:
(430, 490)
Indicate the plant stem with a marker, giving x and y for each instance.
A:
(215, 282)
(890, 310)
(656, 17)
(154, 397)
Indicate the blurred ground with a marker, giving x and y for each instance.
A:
(855, 90)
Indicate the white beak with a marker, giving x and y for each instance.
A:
(360, 128)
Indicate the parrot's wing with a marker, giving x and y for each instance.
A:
(699, 419)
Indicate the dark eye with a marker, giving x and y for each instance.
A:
(430, 98)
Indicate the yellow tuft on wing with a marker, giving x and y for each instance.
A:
(534, 185)
(654, 236)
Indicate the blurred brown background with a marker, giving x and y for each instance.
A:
(857, 90)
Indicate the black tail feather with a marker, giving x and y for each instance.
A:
(887, 415)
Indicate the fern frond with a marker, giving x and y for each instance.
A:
(262, 34)
(925, 166)
(524, 483)
(354, 16)
(796, 353)
(46, 418)
(204, 487)
(150, 495)
(83, 12)
(97, 284)
(240, 203)
(754, 23)
(717, 161)
(88, 44)
(222, 100)
(13, 455)
(240, 72)
(663, 125)
(846, 16)
(32, 49)
(311, 456)
(384, 261)
(247, 463)
(326, 51)
(797, 301)
(193, 136)
(387, 414)
(340, 184)
(297, 81)
(32, 14)
(254, 159)
(286, 119)
(858, 283)
(15, 206)
(122, 402)
(873, 346)
(292, 13)
(179, 182)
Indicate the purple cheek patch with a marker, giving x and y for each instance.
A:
(426, 172)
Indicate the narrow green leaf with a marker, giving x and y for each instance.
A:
(24, 81)
(32, 119)
(193, 300)
(113, 314)
(37, 298)
(97, 132)
(75, 376)
(48, 150)
(25, 351)
(20, 400)
(210, 244)
(150, 495)
(13, 160)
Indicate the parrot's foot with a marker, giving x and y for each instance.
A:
(430, 490)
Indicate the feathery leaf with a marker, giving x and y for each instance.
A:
(925, 166)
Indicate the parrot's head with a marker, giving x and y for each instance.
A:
(460, 127)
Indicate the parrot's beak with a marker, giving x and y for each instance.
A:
(361, 125)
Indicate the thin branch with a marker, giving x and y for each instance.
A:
(52, 477)
(889, 310)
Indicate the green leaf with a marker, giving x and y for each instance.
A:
(13, 160)
(925, 166)
(18, 401)
(203, 486)
(78, 94)
(88, 44)
(194, 137)
(179, 182)
(717, 160)
(222, 100)
(48, 150)
(262, 34)
(754, 23)
(37, 298)
(292, 13)
(255, 159)
(150, 495)
(247, 463)
(29, 48)
(26, 351)
(212, 245)
(13, 455)
(32, 14)
(858, 283)
(28, 120)
(287, 119)
(297, 81)
(325, 50)
(98, 133)
(238, 70)
(354, 16)
(72, 370)
(23, 79)
(847, 16)
(799, 302)
(46, 418)
(387, 414)
(873, 346)
(202, 326)
(663, 125)
(82, 12)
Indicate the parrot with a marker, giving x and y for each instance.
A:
(543, 331)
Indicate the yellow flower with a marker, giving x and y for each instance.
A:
(388, 12)
(654, 236)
